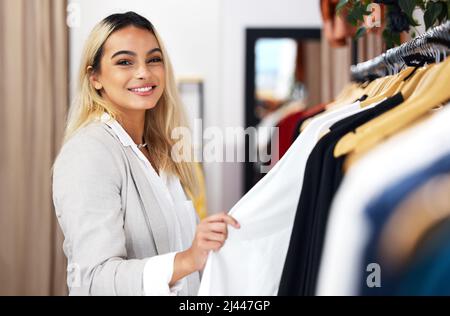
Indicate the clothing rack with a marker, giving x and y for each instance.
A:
(426, 46)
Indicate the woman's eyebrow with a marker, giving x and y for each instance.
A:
(128, 52)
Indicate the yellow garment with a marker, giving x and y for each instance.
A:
(353, 157)
(200, 200)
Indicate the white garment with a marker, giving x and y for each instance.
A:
(158, 270)
(252, 259)
(348, 229)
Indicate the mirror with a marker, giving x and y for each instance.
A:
(283, 73)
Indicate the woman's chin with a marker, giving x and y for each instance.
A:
(137, 106)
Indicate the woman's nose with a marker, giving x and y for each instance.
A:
(143, 72)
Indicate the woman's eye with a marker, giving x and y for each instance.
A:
(155, 60)
(123, 63)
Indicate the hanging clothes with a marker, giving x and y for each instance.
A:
(348, 229)
(379, 212)
(287, 127)
(412, 219)
(322, 178)
(266, 226)
(429, 272)
(307, 227)
(308, 114)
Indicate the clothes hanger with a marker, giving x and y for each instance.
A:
(393, 84)
(391, 88)
(431, 81)
(408, 88)
(355, 92)
(431, 92)
(394, 66)
(349, 142)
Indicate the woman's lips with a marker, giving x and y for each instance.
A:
(143, 91)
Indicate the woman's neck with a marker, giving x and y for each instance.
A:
(134, 123)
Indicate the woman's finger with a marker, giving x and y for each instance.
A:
(211, 236)
(231, 221)
(218, 227)
(215, 217)
(222, 217)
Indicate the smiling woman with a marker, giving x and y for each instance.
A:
(139, 70)
(120, 198)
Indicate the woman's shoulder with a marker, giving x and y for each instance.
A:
(93, 142)
(94, 134)
(88, 162)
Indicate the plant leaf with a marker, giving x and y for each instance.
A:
(341, 5)
(408, 7)
(431, 13)
(356, 13)
(391, 39)
(360, 32)
(443, 14)
(448, 10)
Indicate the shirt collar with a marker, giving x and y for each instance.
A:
(124, 138)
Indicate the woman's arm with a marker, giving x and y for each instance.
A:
(86, 194)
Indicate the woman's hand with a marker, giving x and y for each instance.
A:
(210, 235)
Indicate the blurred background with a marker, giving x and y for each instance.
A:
(239, 63)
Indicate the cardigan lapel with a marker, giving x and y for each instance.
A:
(150, 204)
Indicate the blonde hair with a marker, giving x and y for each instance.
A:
(159, 123)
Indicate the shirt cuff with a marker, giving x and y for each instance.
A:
(158, 271)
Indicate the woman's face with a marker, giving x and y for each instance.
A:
(131, 75)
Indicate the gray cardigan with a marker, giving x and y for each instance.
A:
(109, 214)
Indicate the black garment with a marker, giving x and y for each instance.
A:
(323, 175)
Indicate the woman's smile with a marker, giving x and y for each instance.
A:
(144, 91)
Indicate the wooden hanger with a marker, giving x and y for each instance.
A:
(390, 87)
(344, 146)
(347, 143)
(408, 88)
(433, 90)
(413, 85)
(353, 157)
(354, 91)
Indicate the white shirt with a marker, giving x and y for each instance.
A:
(158, 270)
(252, 258)
(348, 229)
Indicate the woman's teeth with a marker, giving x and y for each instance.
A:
(147, 89)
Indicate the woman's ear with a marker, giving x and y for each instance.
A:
(93, 79)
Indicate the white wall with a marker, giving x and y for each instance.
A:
(205, 38)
